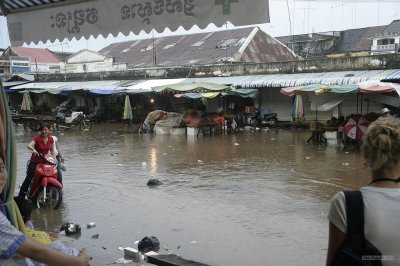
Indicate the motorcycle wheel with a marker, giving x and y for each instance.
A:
(53, 198)
(85, 125)
(274, 122)
(253, 122)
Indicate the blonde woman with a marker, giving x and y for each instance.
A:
(381, 152)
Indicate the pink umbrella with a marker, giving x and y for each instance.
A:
(356, 127)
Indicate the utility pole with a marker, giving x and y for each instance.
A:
(226, 39)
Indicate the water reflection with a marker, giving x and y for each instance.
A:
(245, 199)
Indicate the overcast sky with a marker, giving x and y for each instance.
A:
(306, 16)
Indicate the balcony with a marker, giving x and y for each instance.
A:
(384, 49)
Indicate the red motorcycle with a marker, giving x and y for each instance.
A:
(45, 191)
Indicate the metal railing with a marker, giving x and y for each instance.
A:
(384, 48)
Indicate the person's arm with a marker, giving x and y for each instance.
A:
(336, 239)
(41, 253)
(59, 152)
(31, 146)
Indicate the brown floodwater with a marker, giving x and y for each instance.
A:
(256, 198)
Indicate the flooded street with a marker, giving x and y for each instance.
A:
(247, 199)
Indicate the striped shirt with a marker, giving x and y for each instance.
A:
(10, 241)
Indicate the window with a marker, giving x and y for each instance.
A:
(385, 41)
(20, 64)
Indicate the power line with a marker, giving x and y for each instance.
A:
(290, 24)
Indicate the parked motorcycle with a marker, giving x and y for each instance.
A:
(45, 191)
(71, 119)
(267, 120)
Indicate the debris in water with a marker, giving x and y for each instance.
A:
(308, 158)
(345, 164)
(71, 228)
(154, 182)
(96, 236)
(132, 253)
(149, 244)
(103, 247)
(91, 224)
(120, 164)
(123, 261)
(237, 144)
(199, 161)
(144, 163)
(193, 242)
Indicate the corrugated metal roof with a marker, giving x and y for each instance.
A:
(325, 78)
(253, 81)
(303, 79)
(201, 48)
(264, 48)
(393, 27)
(36, 54)
(106, 85)
(357, 39)
(8, 84)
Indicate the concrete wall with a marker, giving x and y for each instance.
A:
(390, 61)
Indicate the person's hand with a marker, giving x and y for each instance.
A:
(62, 160)
(35, 152)
(84, 257)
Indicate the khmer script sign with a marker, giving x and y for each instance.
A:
(102, 17)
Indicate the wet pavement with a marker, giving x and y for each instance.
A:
(247, 199)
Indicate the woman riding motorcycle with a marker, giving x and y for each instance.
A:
(40, 144)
